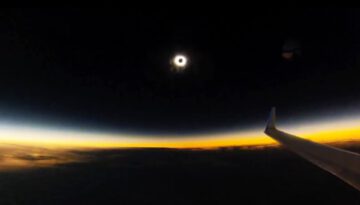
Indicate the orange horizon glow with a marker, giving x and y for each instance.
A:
(325, 132)
(28, 147)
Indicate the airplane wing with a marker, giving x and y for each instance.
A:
(341, 163)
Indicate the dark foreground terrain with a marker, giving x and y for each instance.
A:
(164, 176)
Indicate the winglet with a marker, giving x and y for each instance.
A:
(272, 118)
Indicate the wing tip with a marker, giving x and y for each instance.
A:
(272, 119)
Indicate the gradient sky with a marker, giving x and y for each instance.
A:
(101, 77)
(84, 92)
(339, 129)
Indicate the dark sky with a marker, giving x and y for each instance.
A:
(109, 68)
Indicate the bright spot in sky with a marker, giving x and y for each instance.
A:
(179, 62)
